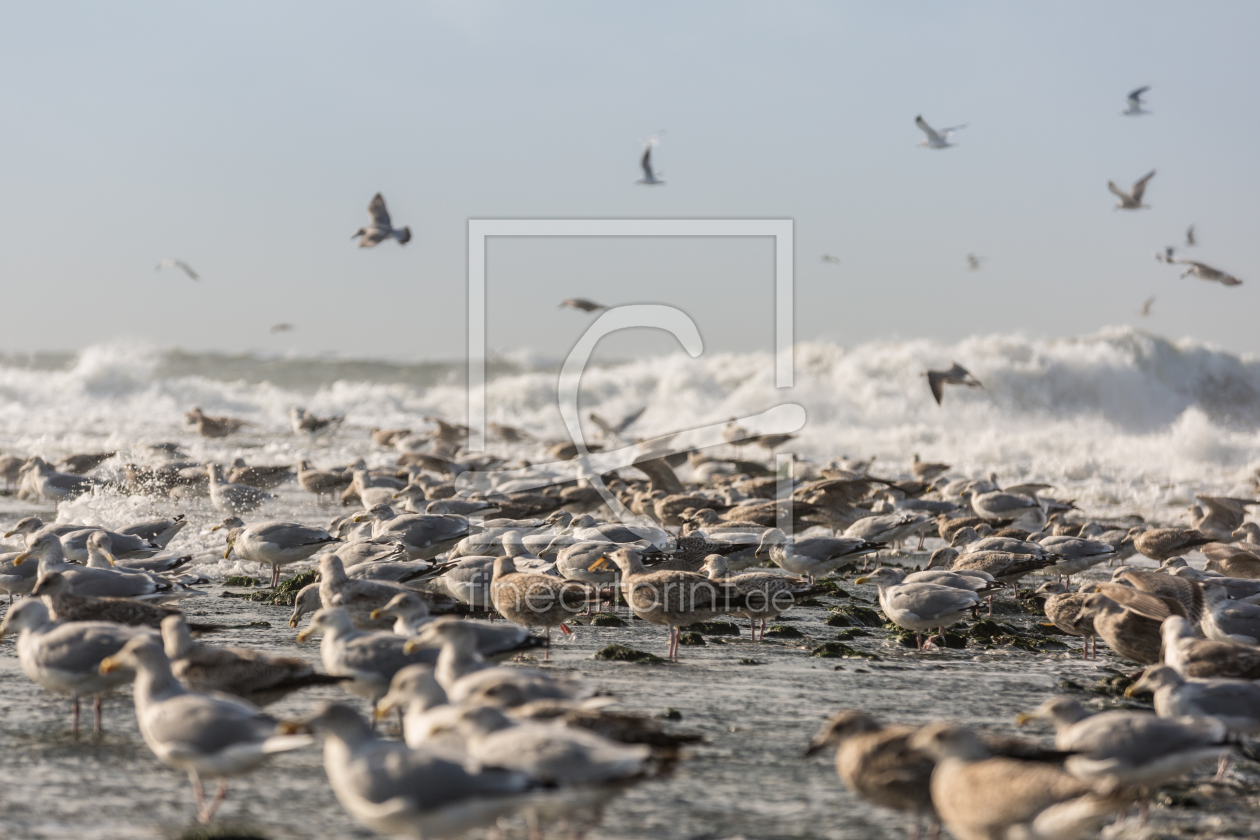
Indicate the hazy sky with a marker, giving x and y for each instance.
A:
(247, 139)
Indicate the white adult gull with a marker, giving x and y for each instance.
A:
(1132, 200)
(936, 139)
(920, 606)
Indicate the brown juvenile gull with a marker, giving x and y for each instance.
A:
(64, 605)
(213, 427)
(1184, 591)
(1206, 272)
(1232, 561)
(920, 606)
(878, 764)
(1066, 611)
(205, 735)
(926, 470)
(956, 375)
(534, 600)
(258, 677)
(1160, 544)
(1132, 200)
(380, 229)
(64, 658)
(262, 477)
(321, 482)
(171, 262)
(305, 423)
(672, 598)
(768, 594)
(1128, 620)
(1204, 658)
(1219, 516)
(582, 304)
(979, 797)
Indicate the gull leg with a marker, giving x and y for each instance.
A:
(1221, 767)
(96, 714)
(547, 647)
(219, 795)
(74, 717)
(199, 795)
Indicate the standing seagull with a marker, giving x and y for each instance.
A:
(936, 139)
(649, 177)
(1190, 242)
(1206, 272)
(1146, 307)
(1135, 103)
(973, 262)
(1133, 200)
(957, 375)
(380, 229)
(171, 262)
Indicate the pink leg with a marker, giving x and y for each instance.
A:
(219, 795)
(96, 714)
(547, 648)
(199, 795)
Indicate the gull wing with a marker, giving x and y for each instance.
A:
(187, 269)
(376, 209)
(1146, 307)
(936, 381)
(1136, 96)
(1140, 187)
(629, 419)
(646, 163)
(1190, 237)
(1111, 185)
(945, 132)
(929, 131)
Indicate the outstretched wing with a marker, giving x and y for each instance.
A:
(1136, 96)
(936, 381)
(187, 269)
(646, 163)
(1140, 187)
(1111, 185)
(930, 132)
(1146, 307)
(376, 209)
(945, 132)
(629, 419)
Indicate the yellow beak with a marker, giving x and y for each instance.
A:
(377, 614)
(862, 580)
(110, 558)
(290, 727)
(1129, 692)
(21, 558)
(293, 623)
(382, 709)
(410, 646)
(1023, 718)
(601, 564)
(108, 665)
(304, 634)
(359, 518)
(8, 534)
(227, 552)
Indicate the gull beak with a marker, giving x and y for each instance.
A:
(382, 709)
(108, 665)
(411, 646)
(395, 496)
(227, 552)
(110, 558)
(600, 565)
(293, 623)
(359, 518)
(8, 534)
(292, 727)
(1129, 692)
(305, 633)
(217, 527)
(862, 580)
(376, 614)
(22, 558)
(1024, 718)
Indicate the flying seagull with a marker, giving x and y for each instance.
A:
(583, 304)
(279, 328)
(380, 229)
(1206, 272)
(828, 258)
(171, 262)
(1190, 242)
(649, 177)
(973, 262)
(1135, 102)
(1167, 256)
(616, 428)
(1132, 200)
(936, 139)
(1146, 307)
(957, 375)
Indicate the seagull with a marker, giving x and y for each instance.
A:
(1190, 242)
(649, 177)
(957, 375)
(1146, 307)
(582, 303)
(828, 258)
(279, 328)
(1167, 256)
(171, 262)
(1135, 103)
(1206, 272)
(380, 228)
(973, 262)
(1132, 201)
(936, 139)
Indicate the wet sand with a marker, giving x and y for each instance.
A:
(757, 705)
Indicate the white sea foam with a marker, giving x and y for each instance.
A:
(1122, 421)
